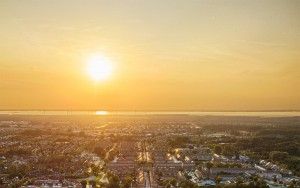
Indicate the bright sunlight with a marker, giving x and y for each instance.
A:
(99, 67)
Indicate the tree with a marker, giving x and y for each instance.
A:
(179, 141)
(100, 151)
(127, 181)
(237, 155)
(293, 184)
(186, 183)
(83, 183)
(218, 179)
(95, 169)
(228, 150)
(173, 182)
(93, 183)
(218, 149)
(114, 181)
(278, 156)
(209, 165)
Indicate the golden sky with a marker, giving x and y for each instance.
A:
(167, 55)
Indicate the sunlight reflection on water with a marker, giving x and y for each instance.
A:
(128, 113)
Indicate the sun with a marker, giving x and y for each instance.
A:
(99, 67)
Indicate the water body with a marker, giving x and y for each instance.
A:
(133, 113)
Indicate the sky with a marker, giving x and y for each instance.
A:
(206, 55)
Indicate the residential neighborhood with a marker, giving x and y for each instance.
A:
(140, 151)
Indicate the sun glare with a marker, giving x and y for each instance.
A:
(99, 67)
(101, 113)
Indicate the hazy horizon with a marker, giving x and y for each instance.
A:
(146, 113)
